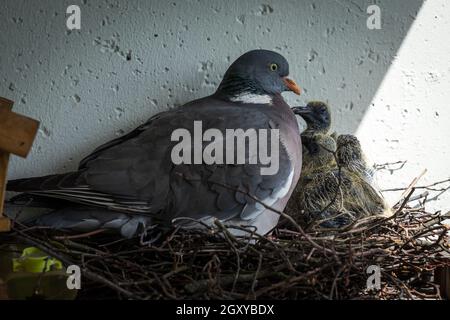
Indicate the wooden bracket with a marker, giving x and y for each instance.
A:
(17, 134)
(5, 223)
(442, 277)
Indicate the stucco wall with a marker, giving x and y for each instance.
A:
(132, 59)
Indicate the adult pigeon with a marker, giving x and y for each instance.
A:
(133, 182)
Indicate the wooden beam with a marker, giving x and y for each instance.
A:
(17, 132)
(5, 103)
(4, 158)
(5, 223)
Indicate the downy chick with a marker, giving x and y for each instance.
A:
(351, 156)
(333, 190)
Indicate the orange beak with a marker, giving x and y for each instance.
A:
(292, 85)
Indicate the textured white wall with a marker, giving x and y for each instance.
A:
(84, 90)
(409, 118)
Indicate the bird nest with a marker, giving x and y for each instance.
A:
(290, 264)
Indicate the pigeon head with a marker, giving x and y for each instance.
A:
(257, 76)
(349, 149)
(316, 115)
(350, 155)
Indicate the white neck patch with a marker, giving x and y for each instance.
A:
(247, 97)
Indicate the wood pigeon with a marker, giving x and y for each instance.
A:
(132, 183)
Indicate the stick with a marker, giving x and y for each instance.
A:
(413, 183)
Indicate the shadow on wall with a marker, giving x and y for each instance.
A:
(133, 59)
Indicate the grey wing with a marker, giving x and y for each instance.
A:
(136, 132)
(137, 173)
(134, 169)
(227, 191)
(129, 174)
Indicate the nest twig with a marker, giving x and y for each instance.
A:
(290, 264)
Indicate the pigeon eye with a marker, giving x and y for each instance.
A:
(273, 67)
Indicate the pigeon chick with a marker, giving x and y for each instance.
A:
(317, 117)
(351, 156)
(319, 153)
(318, 158)
(333, 190)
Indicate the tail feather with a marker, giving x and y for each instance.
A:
(70, 187)
(84, 219)
(50, 182)
(36, 201)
